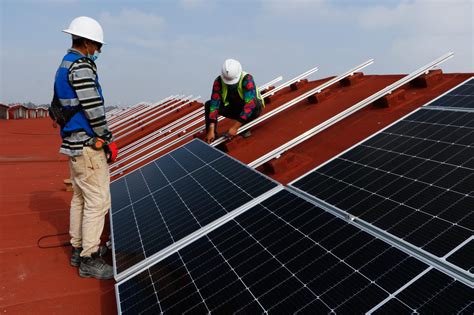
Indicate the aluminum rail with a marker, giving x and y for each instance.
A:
(166, 129)
(160, 149)
(298, 99)
(268, 84)
(181, 130)
(182, 120)
(156, 118)
(159, 103)
(290, 82)
(113, 112)
(139, 114)
(130, 109)
(326, 124)
(157, 111)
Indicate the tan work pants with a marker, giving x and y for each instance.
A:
(91, 199)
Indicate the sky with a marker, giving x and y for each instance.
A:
(160, 48)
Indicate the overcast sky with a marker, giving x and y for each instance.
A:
(159, 48)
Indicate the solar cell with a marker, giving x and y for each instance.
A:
(414, 180)
(460, 97)
(283, 255)
(174, 196)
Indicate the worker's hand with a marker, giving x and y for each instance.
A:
(233, 130)
(210, 137)
(111, 151)
(211, 133)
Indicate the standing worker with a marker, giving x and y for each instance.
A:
(78, 107)
(235, 96)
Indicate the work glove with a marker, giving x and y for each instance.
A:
(111, 152)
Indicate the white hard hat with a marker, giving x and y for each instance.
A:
(231, 71)
(86, 27)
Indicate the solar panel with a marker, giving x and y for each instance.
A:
(432, 293)
(283, 255)
(413, 180)
(175, 196)
(460, 97)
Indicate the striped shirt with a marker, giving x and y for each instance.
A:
(82, 78)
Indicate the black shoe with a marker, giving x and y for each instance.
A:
(95, 267)
(246, 134)
(76, 256)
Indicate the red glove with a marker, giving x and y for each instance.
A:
(111, 152)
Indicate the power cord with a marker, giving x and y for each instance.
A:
(66, 244)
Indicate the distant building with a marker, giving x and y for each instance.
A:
(3, 111)
(17, 112)
(42, 112)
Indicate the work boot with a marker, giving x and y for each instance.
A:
(246, 134)
(76, 255)
(95, 267)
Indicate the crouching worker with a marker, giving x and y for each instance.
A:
(78, 107)
(234, 96)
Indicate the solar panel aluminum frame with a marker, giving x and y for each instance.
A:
(191, 237)
(441, 264)
(459, 109)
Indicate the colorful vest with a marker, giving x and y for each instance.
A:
(68, 97)
(240, 89)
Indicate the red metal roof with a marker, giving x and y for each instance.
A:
(34, 202)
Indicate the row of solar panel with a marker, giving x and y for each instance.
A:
(287, 255)
(253, 261)
(414, 180)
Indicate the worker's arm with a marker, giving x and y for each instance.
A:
(215, 101)
(214, 109)
(250, 98)
(82, 76)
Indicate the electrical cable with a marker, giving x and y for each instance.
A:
(52, 246)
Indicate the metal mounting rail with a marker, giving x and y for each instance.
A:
(113, 112)
(268, 84)
(160, 132)
(298, 99)
(177, 140)
(291, 81)
(155, 105)
(129, 110)
(153, 110)
(138, 116)
(161, 109)
(182, 120)
(322, 126)
(156, 118)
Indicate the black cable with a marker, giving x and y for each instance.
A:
(53, 246)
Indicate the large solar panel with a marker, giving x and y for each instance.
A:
(175, 196)
(284, 255)
(460, 97)
(414, 180)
